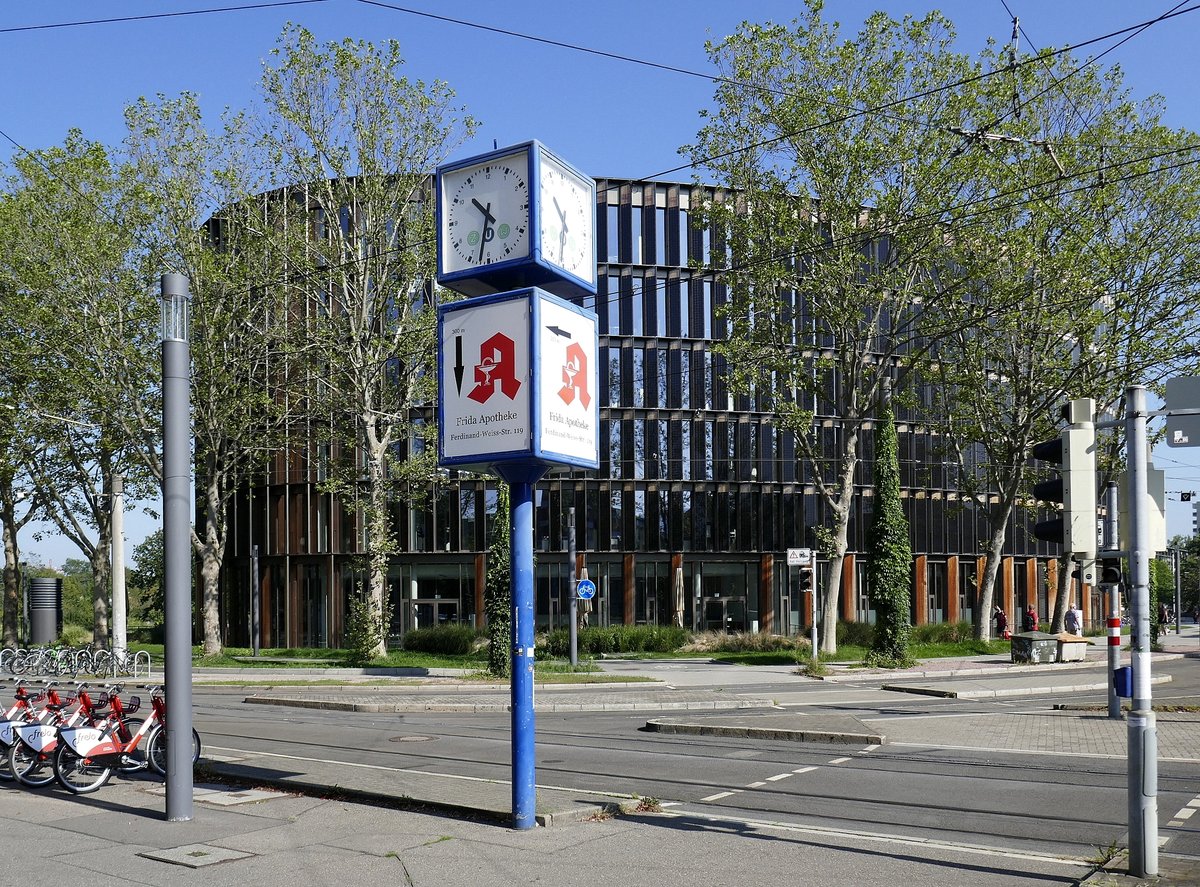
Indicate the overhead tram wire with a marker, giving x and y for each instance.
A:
(795, 254)
(156, 15)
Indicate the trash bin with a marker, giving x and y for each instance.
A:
(1034, 647)
(1123, 681)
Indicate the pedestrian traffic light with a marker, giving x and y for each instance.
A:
(806, 579)
(1074, 450)
(1110, 571)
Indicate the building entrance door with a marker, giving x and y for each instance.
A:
(716, 615)
(430, 613)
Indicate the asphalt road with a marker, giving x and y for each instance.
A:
(1035, 805)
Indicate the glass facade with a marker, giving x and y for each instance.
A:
(698, 496)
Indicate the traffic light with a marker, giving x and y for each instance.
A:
(806, 579)
(1110, 571)
(1074, 450)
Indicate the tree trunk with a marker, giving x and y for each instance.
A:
(837, 543)
(212, 553)
(982, 617)
(12, 576)
(1064, 594)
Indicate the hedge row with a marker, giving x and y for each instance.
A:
(593, 641)
(444, 640)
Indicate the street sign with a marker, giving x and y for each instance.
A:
(799, 557)
(518, 375)
(1183, 393)
(585, 589)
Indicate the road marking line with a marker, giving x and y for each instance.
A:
(807, 769)
(1033, 751)
(1185, 813)
(886, 838)
(269, 754)
(1194, 802)
(756, 785)
(1162, 840)
(717, 796)
(779, 777)
(1174, 823)
(869, 748)
(840, 760)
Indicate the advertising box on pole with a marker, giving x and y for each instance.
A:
(518, 381)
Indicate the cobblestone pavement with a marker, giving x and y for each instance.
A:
(1070, 732)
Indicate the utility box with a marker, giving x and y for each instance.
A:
(1034, 647)
(1071, 648)
(1123, 681)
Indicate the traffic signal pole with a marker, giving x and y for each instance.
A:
(1113, 586)
(1143, 736)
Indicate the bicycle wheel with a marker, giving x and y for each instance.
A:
(31, 768)
(101, 663)
(135, 760)
(156, 749)
(81, 775)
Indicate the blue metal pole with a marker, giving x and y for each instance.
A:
(521, 479)
(524, 790)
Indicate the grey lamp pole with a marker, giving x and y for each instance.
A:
(118, 564)
(177, 545)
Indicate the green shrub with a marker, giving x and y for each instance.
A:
(600, 640)
(445, 640)
(855, 634)
(74, 636)
(943, 633)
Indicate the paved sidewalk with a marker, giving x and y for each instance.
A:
(119, 837)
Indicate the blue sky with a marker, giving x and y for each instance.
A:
(607, 116)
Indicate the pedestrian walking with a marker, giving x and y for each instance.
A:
(1163, 616)
(1001, 623)
(1074, 620)
(1029, 622)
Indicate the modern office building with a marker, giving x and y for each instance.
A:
(698, 497)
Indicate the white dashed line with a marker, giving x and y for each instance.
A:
(869, 748)
(717, 796)
(1185, 813)
(778, 777)
(756, 785)
(805, 770)
(839, 760)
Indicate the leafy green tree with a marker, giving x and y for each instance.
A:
(358, 140)
(77, 594)
(497, 596)
(1084, 257)
(148, 576)
(889, 552)
(200, 188)
(830, 221)
(68, 263)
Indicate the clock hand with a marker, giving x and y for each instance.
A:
(562, 231)
(486, 210)
(488, 232)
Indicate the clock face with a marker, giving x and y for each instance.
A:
(567, 213)
(485, 213)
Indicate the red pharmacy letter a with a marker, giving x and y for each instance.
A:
(496, 367)
(575, 373)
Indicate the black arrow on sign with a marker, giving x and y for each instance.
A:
(458, 363)
(559, 332)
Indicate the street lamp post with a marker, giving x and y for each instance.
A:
(177, 555)
(118, 564)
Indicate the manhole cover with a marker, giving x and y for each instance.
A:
(410, 739)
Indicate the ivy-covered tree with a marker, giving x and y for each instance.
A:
(889, 552)
(497, 595)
